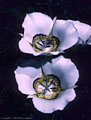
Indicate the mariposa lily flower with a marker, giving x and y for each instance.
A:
(51, 86)
(84, 32)
(44, 35)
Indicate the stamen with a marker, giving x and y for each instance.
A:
(48, 42)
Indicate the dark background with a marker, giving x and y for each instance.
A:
(12, 102)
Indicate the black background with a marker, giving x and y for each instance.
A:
(12, 102)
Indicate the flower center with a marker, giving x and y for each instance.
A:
(42, 43)
(47, 87)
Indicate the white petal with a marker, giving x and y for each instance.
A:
(64, 69)
(36, 23)
(84, 30)
(25, 47)
(49, 106)
(25, 77)
(66, 33)
(25, 84)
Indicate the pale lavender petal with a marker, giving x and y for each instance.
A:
(36, 23)
(66, 33)
(26, 47)
(84, 30)
(25, 77)
(49, 106)
(25, 84)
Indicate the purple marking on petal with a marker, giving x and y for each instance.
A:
(46, 80)
(42, 84)
(41, 40)
(50, 41)
(40, 44)
(51, 82)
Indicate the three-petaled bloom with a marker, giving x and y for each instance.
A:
(44, 35)
(51, 86)
(84, 32)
